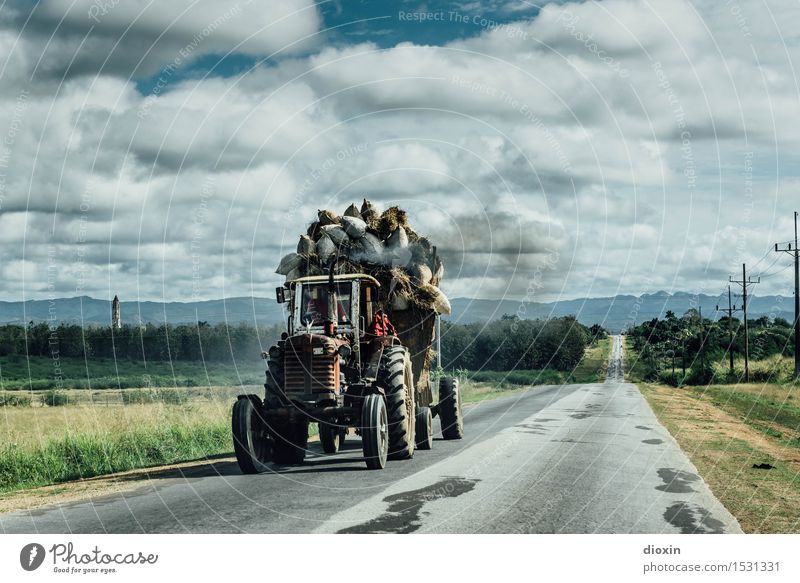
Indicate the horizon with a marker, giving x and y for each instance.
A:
(508, 299)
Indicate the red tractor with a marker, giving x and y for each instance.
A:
(343, 365)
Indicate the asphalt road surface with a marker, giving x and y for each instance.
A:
(556, 459)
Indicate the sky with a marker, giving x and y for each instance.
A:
(175, 151)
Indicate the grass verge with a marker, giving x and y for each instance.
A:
(725, 431)
(79, 456)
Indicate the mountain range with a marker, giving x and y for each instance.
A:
(615, 313)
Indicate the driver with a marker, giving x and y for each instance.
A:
(317, 307)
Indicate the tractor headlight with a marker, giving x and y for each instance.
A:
(345, 351)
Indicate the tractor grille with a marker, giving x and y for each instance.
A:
(306, 373)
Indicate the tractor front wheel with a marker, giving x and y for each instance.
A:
(251, 442)
(375, 432)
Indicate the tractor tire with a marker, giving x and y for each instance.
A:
(331, 437)
(397, 380)
(289, 441)
(424, 428)
(450, 408)
(375, 432)
(251, 441)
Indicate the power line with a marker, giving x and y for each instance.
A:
(770, 266)
(768, 275)
(762, 258)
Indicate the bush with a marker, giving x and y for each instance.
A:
(8, 400)
(518, 377)
(144, 396)
(138, 396)
(700, 374)
(172, 396)
(673, 380)
(56, 398)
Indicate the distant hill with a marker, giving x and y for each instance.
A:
(618, 312)
(84, 309)
(615, 313)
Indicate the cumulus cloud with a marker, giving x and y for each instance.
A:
(595, 148)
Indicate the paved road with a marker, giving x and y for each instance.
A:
(571, 458)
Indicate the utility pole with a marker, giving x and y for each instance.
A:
(744, 283)
(794, 251)
(702, 341)
(731, 309)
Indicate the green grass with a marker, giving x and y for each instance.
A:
(519, 378)
(635, 369)
(18, 372)
(594, 365)
(752, 406)
(86, 455)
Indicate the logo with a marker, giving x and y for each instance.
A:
(31, 556)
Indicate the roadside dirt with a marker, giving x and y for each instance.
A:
(90, 488)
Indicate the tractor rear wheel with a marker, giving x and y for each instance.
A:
(450, 408)
(331, 436)
(289, 441)
(424, 428)
(397, 379)
(375, 432)
(251, 442)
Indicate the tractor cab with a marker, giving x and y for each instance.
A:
(330, 306)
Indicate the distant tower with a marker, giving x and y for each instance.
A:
(116, 319)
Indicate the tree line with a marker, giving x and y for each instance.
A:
(165, 342)
(690, 344)
(505, 344)
(511, 343)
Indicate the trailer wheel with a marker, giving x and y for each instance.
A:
(450, 408)
(331, 437)
(289, 441)
(397, 379)
(424, 428)
(251, 442)
(375, 432)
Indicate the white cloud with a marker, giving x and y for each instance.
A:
(503, 147)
